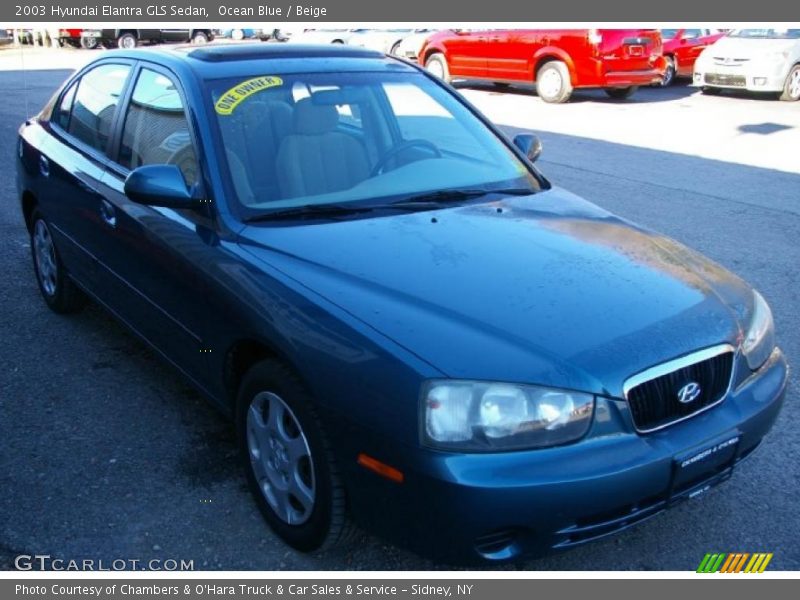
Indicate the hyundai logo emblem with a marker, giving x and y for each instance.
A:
(689, 392)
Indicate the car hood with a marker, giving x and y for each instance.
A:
(729, 47)
(546, 288)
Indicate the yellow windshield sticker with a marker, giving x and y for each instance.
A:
(234, 96)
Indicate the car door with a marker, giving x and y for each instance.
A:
(508, 54)
(155, 254)
(175, 35)
(691, 43)
(73, 163)
(467, 53)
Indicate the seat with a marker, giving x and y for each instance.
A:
(316, 158)
(256, 132)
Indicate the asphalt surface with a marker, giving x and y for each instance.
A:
(106, 453)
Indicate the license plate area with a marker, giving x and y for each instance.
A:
(698, 470)
(636, 51)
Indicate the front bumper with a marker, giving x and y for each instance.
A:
(752, 76)
(498, 507)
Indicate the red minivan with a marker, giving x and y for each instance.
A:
(556, 60)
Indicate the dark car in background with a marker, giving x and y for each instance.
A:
(410, 326)
(130, 38)
(556, 60)
(681, 49)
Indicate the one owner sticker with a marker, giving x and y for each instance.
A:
(234, 96)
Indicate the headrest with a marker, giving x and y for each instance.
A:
(314, 119)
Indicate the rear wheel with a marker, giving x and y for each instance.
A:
(621, 93)
(89, 43)
(57, 289)
(553, 82)
(290, 467)
(670, 72)
(791, 89)
(127, 41)
(395, 49)
(436, 64)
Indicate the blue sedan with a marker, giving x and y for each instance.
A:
(411, 327)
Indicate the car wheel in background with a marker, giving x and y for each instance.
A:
(237, 34)
(436, 65)
(199, 37)
(791, 89)
(669, 73)
(290, 467)
(89, 43)
(621, 93)
(127, 41)
(710, 91)
(553, 84)
(395, 49)
(57, 289)
(337, 42)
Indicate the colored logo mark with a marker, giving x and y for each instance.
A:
(735, 562)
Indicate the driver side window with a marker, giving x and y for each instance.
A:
(156, 130)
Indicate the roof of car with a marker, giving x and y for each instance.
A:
(230, 60)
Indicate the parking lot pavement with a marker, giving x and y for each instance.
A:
(107, 453)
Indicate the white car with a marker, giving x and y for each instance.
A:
(383, 40)
(323, 36)
(411, 45)
(758, 60)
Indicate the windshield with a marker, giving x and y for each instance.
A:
(302, 140)
(777, 34)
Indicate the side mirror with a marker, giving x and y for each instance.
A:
(530, 145)
(159, 185)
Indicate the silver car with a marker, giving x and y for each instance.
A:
(758, 60)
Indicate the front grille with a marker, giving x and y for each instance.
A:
(729, 62)
(653, 396)
(729, 80)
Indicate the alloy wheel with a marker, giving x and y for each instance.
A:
(281, 458)
(44, 253)
(794, 84)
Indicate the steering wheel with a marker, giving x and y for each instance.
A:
(401, 147)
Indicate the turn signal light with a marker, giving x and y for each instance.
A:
(382, 469)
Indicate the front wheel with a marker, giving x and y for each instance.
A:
(791, 89)
(127, 41)
(621, 93)
(553, 83)
(200, 37)
(436, 65)
(59, 292)
(670, 72)
(290, 467)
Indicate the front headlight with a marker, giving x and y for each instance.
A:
(759, 342)
(475, 416)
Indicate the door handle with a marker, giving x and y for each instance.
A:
(44, 165)
(108, 212)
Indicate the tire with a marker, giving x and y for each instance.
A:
(89, 43)
(553, 84)
(237, 34)
(58, 290)
(337, 42)
(670, 73)
(394, 49)
(200, 37)
(436, 65)
(791, 89)
(621, 93)
(127, 41)
(710, 91)
(321, 523)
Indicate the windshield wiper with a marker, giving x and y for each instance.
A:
(310, 211)
(443, 197)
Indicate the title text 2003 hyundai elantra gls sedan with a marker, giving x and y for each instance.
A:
(411, 327)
